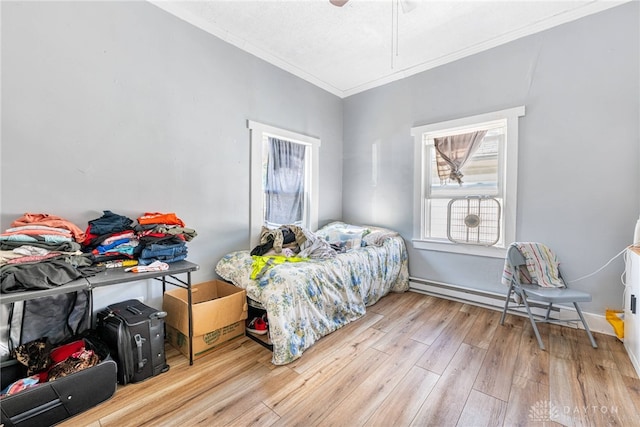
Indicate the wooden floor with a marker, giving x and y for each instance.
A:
(411, 360)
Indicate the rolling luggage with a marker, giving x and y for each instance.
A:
(134, 333)
(54, 401)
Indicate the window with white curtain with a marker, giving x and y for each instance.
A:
(284, 179)
(284, 182)
(466, 183)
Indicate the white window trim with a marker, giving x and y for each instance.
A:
(256, 202)
(510, 182)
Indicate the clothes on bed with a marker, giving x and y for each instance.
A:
(274, 239)
(262, 263)
(377, 237)
(308, 300)
(316, 248)
(304, 243)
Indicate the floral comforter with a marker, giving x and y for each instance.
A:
(308, 300)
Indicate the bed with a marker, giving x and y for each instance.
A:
(307, 300)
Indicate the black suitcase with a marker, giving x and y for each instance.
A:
(134, 333)
(52, 402)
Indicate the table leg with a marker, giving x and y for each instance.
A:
(190, 311)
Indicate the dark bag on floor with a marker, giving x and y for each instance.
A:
(134, 333)
(51, 402)
(57, 317)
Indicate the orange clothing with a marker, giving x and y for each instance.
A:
(160, 218)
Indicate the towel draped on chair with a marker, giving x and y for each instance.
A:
(542, 266)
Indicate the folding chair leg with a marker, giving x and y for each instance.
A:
(546, 318)
(586, 327)
(533, 323)
(506, 304)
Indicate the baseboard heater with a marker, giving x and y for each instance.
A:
(478, 297)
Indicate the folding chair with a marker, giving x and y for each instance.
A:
(550, 295)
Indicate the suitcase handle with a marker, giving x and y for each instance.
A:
(141, 361)
(133, 310)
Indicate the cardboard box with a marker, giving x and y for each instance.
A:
(219, 311)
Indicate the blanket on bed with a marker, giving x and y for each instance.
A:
(308, 300)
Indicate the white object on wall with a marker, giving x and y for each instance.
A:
(632, 308)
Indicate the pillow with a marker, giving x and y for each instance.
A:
(378, 237)
(343, 235)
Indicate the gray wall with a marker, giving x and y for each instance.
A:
(121, 106)
(580, 85)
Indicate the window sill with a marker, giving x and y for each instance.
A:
(442, 246)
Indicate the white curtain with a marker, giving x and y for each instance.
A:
(452, 152)
(284, 183)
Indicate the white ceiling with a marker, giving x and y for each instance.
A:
(367, 43)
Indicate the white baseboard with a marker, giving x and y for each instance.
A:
(495, 301)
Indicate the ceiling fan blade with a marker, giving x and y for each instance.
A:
(338, 3)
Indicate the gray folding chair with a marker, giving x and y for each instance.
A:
(542, 294)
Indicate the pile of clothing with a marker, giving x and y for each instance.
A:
(118, 241)
(111, 237)
(287, 243)
(163, 237)
(44, 364)
(41, 251)
(290, 240)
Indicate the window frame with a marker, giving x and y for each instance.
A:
(258, 132)
(508, 180)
